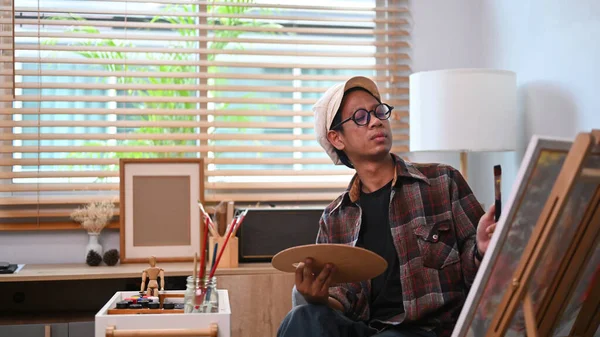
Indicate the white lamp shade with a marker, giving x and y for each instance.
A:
(463, 110)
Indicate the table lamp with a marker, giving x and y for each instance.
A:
(463, 110)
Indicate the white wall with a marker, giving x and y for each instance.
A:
(554, 48)
(51, 247)
(445, 34)
(549, 44)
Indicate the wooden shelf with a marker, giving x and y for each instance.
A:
(61, 272)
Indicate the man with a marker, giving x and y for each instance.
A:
(423, 219)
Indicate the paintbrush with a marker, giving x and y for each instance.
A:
(202, 272)
(194, 276)
(239, 222)
(497, 181)
(211, 226)
(214, 257)
(214, 267)
(208, 290)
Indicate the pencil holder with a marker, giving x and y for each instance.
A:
(229, 259)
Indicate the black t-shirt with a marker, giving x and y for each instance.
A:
(375, 235)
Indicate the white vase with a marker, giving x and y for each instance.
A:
(93, 244)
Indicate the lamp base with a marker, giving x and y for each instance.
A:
(463, 164)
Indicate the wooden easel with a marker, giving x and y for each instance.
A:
(542, 321)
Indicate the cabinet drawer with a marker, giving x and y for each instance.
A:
(81, 329)
(35, 330)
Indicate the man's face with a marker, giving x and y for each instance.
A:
(366, 142)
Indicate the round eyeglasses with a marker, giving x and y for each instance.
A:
(362, 117)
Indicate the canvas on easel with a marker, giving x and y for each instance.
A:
(545, 244)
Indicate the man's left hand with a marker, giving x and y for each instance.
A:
(485, 229)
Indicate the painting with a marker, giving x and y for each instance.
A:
(159, 214)
(540, 167)
(560, 239)
(590, 277)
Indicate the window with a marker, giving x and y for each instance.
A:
(88, 82)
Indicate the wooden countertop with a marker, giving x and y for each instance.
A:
(60, 272)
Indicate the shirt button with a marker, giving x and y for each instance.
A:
(435, 237)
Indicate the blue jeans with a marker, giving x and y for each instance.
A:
(310, 320)
(319, 320)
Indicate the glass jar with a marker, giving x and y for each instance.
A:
(188, 298)
(211, 298)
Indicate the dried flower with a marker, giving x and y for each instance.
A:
(94, 216)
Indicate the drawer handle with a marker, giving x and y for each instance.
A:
(212, 331)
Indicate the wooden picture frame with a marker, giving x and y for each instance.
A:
(159, 214)
(542, 252)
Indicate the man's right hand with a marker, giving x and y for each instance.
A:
(314, 288)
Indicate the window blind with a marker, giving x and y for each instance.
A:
(85, 83)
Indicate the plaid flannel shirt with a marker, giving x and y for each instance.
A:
(433, 217)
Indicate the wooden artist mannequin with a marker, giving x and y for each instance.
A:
(152, 273)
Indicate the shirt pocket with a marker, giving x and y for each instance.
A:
(437, 243)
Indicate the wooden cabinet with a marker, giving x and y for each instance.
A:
(259, 295)
(81, 329)
(35, 330)
(258, 302)
(74, 329)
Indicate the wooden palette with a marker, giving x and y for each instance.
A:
(353, 264)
